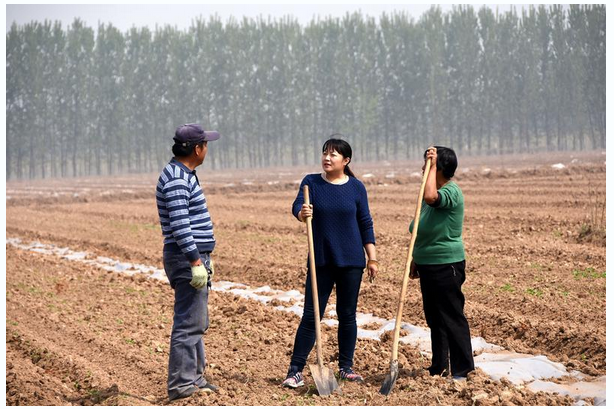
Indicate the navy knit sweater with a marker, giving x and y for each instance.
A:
(342, 224)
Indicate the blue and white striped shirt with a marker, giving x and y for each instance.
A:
(182, 207)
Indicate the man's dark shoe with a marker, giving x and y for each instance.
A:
(183, 394)
(208, 387)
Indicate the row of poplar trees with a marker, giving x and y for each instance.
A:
(85, 101)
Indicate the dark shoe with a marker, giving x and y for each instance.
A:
(347, 374)
(208, 387)
(183, 394)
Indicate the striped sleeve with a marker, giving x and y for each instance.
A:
(177, 194)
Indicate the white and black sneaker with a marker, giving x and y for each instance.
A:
(347, 374)
(294, 379)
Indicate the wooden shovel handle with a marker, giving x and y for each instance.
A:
(414, 234)
(314, 282)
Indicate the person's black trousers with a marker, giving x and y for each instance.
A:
(443, 303)
(347, 282)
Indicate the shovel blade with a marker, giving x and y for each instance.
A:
(324, 379)
(391, 379)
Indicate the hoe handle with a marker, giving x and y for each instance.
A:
(314, 283)
(414, 234)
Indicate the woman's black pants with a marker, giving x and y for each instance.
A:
(443, 303)
(347, 281)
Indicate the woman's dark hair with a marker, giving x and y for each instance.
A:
(182, 151)
(446, 161)
(343, 148)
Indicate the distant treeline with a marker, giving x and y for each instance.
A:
(81, 101)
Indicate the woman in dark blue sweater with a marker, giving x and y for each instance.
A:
(342, 233)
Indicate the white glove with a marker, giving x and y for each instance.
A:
(211, 269)
(200, 276)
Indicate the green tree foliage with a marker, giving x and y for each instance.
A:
(84, 101)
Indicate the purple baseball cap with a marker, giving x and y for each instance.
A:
(194, 133)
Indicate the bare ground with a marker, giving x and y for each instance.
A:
(81, 335)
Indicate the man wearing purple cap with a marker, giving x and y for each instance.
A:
(188, 243)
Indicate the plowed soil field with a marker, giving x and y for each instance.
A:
(77, 334)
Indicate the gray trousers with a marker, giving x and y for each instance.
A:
(186, 363)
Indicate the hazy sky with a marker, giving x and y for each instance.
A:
(181, 15)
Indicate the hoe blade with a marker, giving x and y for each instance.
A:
(324, 379)
(391, 379)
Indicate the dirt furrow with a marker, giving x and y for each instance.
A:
(88, 336)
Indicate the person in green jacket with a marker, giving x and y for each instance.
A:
(438, 261)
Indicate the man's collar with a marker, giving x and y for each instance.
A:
(182, 166)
